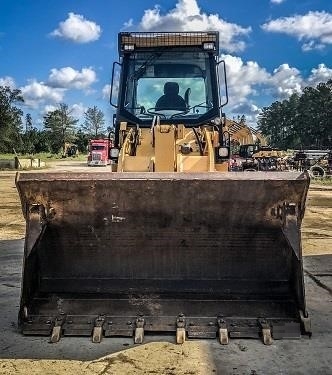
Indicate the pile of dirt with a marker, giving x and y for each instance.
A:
(191, 358)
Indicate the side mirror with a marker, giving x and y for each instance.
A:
(116, 66)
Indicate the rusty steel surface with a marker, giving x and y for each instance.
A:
(158, 245)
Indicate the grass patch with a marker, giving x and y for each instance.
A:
(44, 156)
(7, 156)
(321, 181)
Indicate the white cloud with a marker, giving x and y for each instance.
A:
(106, 91)
(320, 74)
(246, 107)
(187, 16)
(315, 28)
(242, 77)
(70, 78)
(37, 93)
(251, 86)
(128, 24)
(8, 81)
(277, 1)
(49, 108)
(310, 46)
(78, 110)
(248, 84)
(250, 110)
(77, 29)
(286, 81)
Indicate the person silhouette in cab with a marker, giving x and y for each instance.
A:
(171, 98)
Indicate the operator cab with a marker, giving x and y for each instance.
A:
(170, 75)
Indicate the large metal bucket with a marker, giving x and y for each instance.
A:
(161, 251)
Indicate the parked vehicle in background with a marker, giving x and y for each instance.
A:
(242, 160)
(322, 166)
(317, 162)
(70, 150)
(99, 152)
(253, 157)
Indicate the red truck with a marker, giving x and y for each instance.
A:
(99, 152)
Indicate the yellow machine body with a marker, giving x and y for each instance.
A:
(166, 240)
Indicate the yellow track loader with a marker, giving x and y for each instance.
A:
(166, 241)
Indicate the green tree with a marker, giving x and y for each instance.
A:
(35, 141)
(28, 122)
(304, 120)
(270, 123)
(315, 116)
(94, 122)
(10, 119)
(28, 137)
(61, 127)
(42, 141)
(82, 141)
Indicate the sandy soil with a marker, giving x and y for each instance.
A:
(190, 358)
(187, 359)
(12, 224)
(317, 223)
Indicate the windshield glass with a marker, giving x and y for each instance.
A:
(170, 84)
(97, 147)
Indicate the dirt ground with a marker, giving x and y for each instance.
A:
(187, 359)
(194, 357)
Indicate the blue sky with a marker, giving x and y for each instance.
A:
(61, 51)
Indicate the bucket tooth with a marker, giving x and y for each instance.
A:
(223, 332)
(139, 335)
(25, 312)
(180, 335)
(267, 337)
(266, 332)
(57, 329)
(306, 323)
(56, 334)
(139, 331)
(180, 329)
(97, 332)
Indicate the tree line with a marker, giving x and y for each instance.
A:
(303, 121)
(60, 127)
